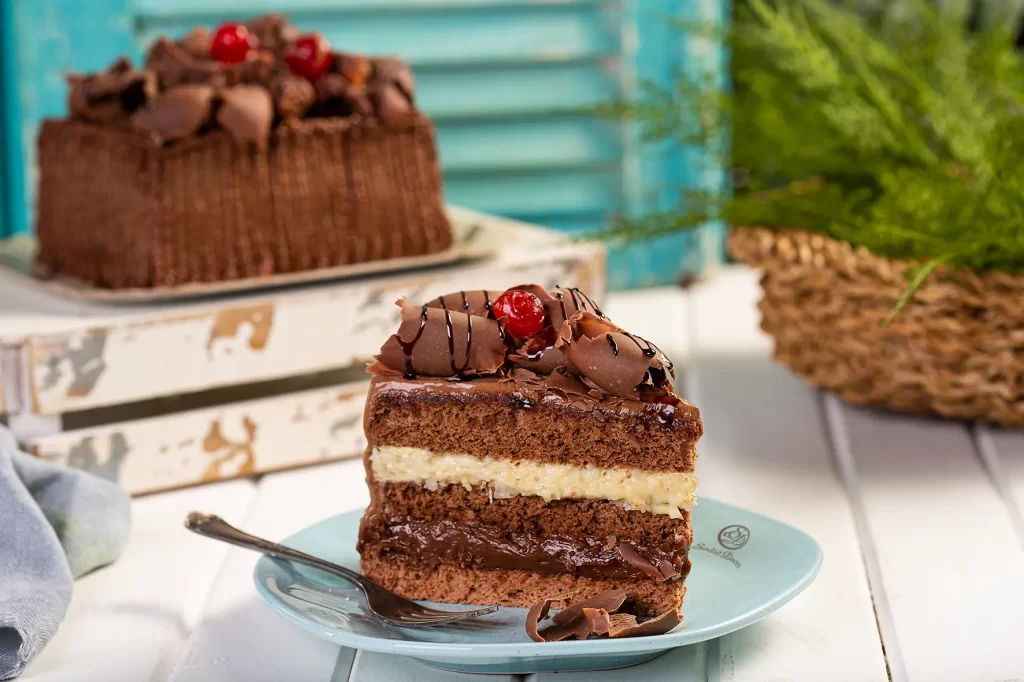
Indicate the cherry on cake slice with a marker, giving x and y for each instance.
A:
(521, 446)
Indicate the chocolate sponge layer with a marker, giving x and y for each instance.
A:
(488, 418)
(456, 585)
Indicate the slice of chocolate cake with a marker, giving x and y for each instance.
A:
(521, 447)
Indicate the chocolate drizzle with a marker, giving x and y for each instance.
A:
(409, 346)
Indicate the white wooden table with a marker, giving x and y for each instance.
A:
(920, 521)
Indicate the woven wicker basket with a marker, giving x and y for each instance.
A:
(956, 349)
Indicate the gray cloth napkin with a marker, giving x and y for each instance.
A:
(56, 524)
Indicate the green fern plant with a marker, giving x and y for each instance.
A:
(901, 131)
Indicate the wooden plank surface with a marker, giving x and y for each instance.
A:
(238, 637)
(766, 447)
(915, 517)
(950, 565)
(130, 620)
(1002, 451)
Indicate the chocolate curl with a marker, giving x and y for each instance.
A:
(598, 616)
(355, 68)
(534, 616)
(110, 95)
(174, 66)
(175, 114)
(258, 67)
(396, 72)
(357, 101)
(609, 600)
(293, 96)
(246, 112)
(618, 362)
(442, 343)
(470, 302)
(598, 621)
(389, 103)
(196, 43)
(625, 625)
(341, 98)
(273, 32)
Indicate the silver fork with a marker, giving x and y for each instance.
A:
(386, 605)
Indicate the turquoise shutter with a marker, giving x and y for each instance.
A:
(508, 84)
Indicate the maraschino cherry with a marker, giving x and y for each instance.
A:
(232, 43)
(310, 57)
(521, 311)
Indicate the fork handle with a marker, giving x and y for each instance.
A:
(212, 526)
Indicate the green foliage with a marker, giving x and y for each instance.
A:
(901, 131)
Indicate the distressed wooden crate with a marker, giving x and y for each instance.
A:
(165, 395)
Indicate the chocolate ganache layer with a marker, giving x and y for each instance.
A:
(473, 529)
(577, 348)
(474, 545)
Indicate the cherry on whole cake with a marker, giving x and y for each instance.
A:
(232, 43)
(311, 56)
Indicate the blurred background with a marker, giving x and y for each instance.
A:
(511, 85)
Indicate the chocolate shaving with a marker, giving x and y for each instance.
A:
(443, 343)
(175, 114)
(396, 72)
(537, 613)
(174, 66)
(258, 68)
(598, 616)
(609, 600)
(355, 68)
(246, 112)
(110, 95)
(389, 103)
(293, 96)
(620, 623)
(196, 43)
(357, 101)
(615, 360)
(598, 620)
(658, 625)
(273, 32)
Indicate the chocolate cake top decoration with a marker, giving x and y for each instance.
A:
(558, 339)
(257, 74)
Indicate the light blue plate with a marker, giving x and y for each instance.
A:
(744, 567)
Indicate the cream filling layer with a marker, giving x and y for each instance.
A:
(656, 492)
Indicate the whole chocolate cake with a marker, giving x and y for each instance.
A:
(522, 448)
(245, 152)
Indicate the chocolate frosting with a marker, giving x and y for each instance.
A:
(251, 96)
(577, 352)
